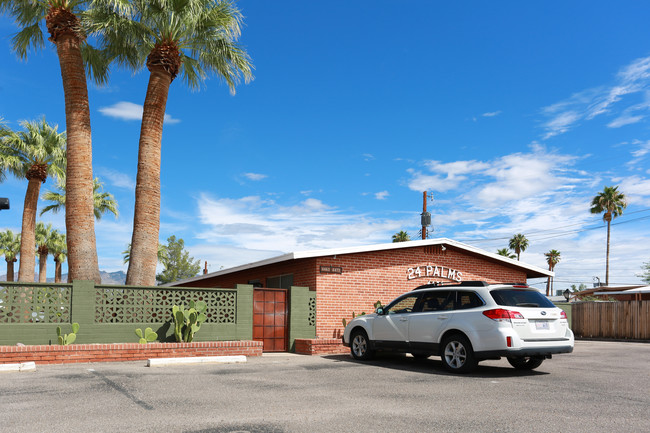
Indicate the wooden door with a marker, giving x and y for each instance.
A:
(270, 319)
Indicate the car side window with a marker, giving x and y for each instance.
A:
(403, 305)
(466, 300)
(440, 300)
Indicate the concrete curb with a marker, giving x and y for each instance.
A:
(23, 366)
(162, 362)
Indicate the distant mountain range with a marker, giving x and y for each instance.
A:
(118, 277)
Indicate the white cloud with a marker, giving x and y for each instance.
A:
(491, 114)
(590, 103)
(129, 111)
(382, 195)
(115, 178)
(255, 176)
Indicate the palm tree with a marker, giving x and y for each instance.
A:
(9, 247)
(171, 37)
(103, 202)
(401, 236)
(505, 252)
(518, 243)
(611, 202)
(59, 251)
(62, 19)
(32, 154)
(552, 258)
(43, 239)
(126, 254)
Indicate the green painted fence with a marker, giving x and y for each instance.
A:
(31, 312)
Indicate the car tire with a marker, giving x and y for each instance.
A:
(525, 362)
(360, 346)
(457, 354)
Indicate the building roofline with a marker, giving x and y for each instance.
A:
(371, 248)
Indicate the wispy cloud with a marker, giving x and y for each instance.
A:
(382, 195)
(129, 111)
(491, 114)
(116, 178)
(590, 103)
(255, 176)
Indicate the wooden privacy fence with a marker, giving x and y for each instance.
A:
(628, 320)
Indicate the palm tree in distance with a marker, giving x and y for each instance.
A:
(126, 254)
(518, 243)
(9, 247)
(611, 202)
(552, 258)
(32, 154)
(505, 252)
(76, 57)
(103, 202)
(401, 236)
(192, 38)
(43, 239)
(58, 249)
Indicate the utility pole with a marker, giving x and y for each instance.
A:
(425, 216)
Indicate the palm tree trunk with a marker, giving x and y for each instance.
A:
(79, 216)
(146, 218)
(28, 234)
(609, 222)
(57, 271)
(42, 268)
(10, 269)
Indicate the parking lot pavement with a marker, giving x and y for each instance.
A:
(602, 386)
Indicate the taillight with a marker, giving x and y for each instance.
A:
(500, 314)
(563, 315)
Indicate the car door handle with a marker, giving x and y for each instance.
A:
(403, 319)
(443, 317)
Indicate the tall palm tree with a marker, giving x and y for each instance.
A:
(126, 254)
(505, 252)
(611, 202)
(552, 258)
(76, 57)
(188, 37)
(401, 236)
(43, 239)
(59, 251)
(32, 154)
(10, 247)
(518, 243)
(103, 202)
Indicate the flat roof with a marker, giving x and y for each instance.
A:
(531, 271)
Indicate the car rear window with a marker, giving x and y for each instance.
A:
(521, 298)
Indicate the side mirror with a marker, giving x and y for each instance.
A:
(379, 311)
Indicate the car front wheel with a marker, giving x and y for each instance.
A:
(457, 354)
(360, 346)
(525, 362)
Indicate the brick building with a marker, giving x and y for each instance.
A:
(350, 280)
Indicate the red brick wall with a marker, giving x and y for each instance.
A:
(382, 276)
(125, 352)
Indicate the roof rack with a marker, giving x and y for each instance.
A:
(461, 284)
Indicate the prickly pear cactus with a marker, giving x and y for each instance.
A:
(65, 339)
(188, 322)
(147, 336)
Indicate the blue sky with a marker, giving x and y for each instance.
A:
(513, 114)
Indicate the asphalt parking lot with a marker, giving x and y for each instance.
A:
(601, 387)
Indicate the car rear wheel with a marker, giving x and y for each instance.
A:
(457, 354)
(360, 346)
(525, 362)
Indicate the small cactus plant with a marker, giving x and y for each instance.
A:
(147, 336)
(188, 322)
(66, 339)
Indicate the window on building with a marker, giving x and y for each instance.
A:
(280, 282)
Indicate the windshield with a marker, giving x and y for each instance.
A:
(521, 298)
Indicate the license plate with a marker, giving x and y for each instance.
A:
(541, 325)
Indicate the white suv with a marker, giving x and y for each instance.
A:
(464, 324)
